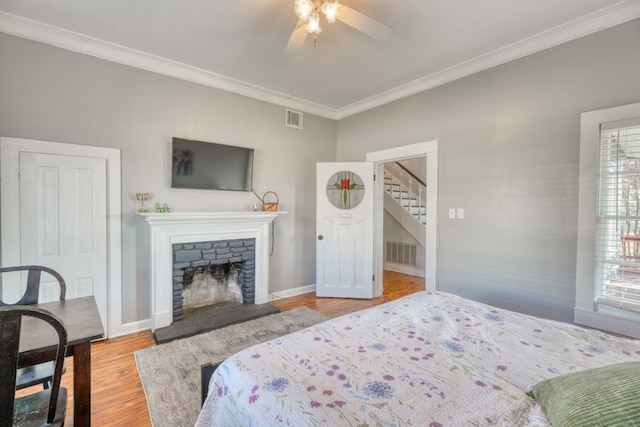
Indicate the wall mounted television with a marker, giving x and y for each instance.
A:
(210, 166)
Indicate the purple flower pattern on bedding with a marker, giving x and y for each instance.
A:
(278, 385)
(429, 359)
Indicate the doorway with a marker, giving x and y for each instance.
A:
(429, 151)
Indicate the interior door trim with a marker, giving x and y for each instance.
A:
(429, 149)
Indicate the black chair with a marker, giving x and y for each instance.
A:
(32, 292)
(46, 407)
(43, 372)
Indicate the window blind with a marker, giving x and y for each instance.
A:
(618, 219)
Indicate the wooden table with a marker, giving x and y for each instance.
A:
(82, 319)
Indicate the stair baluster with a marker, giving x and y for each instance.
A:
(407, 190)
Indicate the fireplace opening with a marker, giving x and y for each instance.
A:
(207, 274)
(211, 284)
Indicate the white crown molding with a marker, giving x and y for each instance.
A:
(44, 33)
(15, 25)
(604, 18)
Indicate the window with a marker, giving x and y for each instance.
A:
(618, 222)
(608, 251)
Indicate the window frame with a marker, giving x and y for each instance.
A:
(586, 312)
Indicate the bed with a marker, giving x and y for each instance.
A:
(429, 359)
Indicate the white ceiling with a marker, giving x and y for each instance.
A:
(237, 45)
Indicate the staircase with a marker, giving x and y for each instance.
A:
(407, 191)
(405, 201)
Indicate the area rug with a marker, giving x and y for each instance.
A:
(170, 373)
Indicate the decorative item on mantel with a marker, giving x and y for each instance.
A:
(270, 206)
(142, 197)
(162, 209)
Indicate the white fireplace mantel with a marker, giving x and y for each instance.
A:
(184, 227)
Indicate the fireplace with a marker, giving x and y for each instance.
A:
(168, 229)
(207, 273)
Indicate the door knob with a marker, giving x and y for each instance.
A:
(320, 237)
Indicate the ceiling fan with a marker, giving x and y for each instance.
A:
(309, 13)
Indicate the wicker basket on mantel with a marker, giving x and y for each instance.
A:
(270, 206)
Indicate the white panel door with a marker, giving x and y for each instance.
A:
(344, 230)
(63, 223)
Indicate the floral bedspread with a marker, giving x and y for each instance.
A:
(428, 359)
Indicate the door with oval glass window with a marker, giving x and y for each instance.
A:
(344, 230)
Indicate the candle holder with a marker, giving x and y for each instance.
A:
(142, 197)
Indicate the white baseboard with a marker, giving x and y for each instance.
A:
(130, 328)
(292, 292)
(403, 269)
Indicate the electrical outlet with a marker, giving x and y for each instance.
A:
(452, 213)
(460, 213)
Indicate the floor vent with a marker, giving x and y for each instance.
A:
(401, 253)
(293, 118)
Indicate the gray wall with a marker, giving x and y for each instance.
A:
(56, 95)
(417, 167)
(508, 154)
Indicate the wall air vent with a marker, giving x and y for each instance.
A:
(293, 118)
(401, 253)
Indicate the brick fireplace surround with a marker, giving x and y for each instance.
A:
(172, 228)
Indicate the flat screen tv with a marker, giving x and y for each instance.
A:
(210, 166)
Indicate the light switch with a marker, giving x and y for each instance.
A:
(460, 213)
(452, 213)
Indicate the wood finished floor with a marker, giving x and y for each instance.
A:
(117, 396)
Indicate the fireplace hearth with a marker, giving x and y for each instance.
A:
(209, 318)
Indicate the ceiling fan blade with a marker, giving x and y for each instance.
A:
(298, 36)
(362, 22)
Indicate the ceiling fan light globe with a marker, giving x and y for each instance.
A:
(303, 8)
(313, 23)
(331, 9)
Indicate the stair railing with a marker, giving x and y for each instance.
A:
(410, 187)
